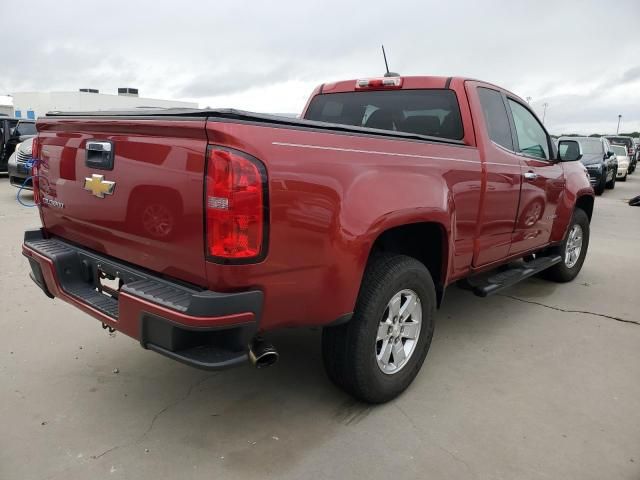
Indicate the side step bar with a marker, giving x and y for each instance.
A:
(491, 282)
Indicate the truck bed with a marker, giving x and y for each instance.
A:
(242, 116)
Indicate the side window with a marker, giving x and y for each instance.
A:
(532, 138)
(495, 117)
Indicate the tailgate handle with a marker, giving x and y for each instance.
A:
(99, 154)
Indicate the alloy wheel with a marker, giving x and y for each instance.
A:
(573, 247)
(398, 331)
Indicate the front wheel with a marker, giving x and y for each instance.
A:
(573, 250)
(601, 185)
(378, 353)
(612, 183)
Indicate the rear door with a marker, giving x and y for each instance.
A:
(503, 177)
(131, 188)
(542, 180)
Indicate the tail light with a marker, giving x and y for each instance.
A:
(379, 83)
(235, 207)
(35, 159)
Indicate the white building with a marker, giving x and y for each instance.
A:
(36, 104)
(6, 105)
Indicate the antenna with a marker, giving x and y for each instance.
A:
(386, 65)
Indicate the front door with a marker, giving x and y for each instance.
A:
(542, 181)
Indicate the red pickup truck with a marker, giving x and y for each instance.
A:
(197, 231)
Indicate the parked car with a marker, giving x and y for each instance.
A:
(357, 225)
(623, 161)
(600, 161)
(629, 144)
(12, 132)
(19, 165)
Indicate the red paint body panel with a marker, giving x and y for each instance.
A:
(154, 216)
(330, 197)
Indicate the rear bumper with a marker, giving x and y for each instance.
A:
(202, 328)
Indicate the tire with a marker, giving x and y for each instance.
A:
(565, 271)
(612, 183)
(602, 183)
(350, 351)
(624, 179)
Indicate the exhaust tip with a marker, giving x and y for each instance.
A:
(262, 354)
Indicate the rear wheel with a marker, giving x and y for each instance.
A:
(573, 250)
(378, 353)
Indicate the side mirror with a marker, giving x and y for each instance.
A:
(569, 150)
(609, 154)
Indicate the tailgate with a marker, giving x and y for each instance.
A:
(128, 188)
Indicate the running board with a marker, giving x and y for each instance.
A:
(488, 283)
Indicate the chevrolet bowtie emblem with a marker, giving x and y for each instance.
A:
(98, 186)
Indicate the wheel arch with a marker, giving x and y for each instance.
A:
(585, 203)
(426, 241)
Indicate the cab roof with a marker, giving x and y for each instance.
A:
(408, 83)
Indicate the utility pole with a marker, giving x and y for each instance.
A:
(618, 129)
(544, 113)
(528, 99)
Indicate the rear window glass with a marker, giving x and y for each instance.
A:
(433, 112)
(589, 146)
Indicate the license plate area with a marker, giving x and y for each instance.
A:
(109, 284)
(104, 277)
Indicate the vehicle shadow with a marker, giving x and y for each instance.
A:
(247, 417)
(243, 417)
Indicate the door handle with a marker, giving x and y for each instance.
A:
(530, 175)
(99, 155)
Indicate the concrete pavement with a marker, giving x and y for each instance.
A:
(542, 382)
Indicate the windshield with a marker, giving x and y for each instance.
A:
(26, 128)
(432, 112)
(590, 146)
(619, 150)
(620, 141)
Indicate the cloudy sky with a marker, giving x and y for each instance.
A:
(582, 58)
